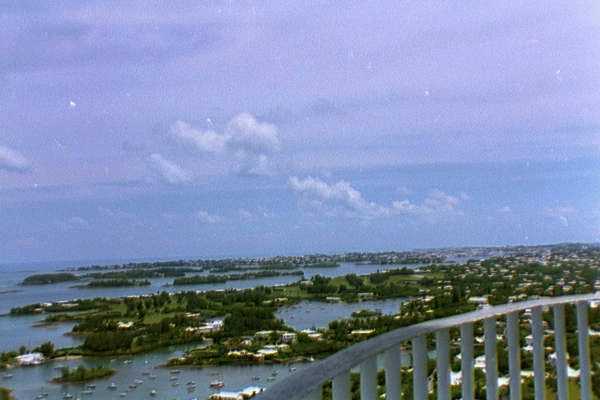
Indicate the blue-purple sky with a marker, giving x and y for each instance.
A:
(225, 128)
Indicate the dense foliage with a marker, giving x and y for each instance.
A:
(82, 374)
(45, 279)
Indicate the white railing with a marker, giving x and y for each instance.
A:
(307, 384)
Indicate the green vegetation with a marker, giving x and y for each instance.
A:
(82, 374)
(47, 349)
(199, 280)
(5, 394)
(46, 279)
(251, 333)
(142, 273)
(106, 283)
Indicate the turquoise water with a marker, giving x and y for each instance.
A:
(27, 383)
(311, 314)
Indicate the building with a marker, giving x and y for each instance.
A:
(30, 359)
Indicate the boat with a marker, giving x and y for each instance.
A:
(256, 378)
(67, 396)
(217, 384)
(123, 394)
(152, 377)
(7, 376)
(175, 371)
(88, 392)
(91, 386)
(112, 386)
(153, 392)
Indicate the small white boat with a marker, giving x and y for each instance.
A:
(112, 386)
(217, 384)
(7, 376)
(153, 392)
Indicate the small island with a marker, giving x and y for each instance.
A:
(110, 283)
(47, 279)
(200, 279)
(82, 374)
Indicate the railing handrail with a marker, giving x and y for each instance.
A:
(304, 382)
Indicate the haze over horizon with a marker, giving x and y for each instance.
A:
(156, 130)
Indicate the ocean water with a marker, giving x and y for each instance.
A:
(27, 383)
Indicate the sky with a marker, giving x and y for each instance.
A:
(238, 128)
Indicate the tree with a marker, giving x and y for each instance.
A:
(47, 349)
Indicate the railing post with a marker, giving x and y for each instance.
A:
(561, 352)
(392, 364)
(491, 359)
(539, 368)
(466, 362)
(442, 342)
(368, 379)
(341, 386)
(584, 351)
(419, 358)
(514, 355)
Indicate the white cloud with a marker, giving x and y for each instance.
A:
(203, 141)
(560, 213)
(169, 171)
(245, 215)
(246, 134)
(206, 218)
(438, 201)
(13, 161)
(246, 142)
(343, 196)
(340, 194)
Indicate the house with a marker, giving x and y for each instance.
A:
(263, 334)
(124, 325)
(30, 359)
(268, 350)
(362, 332)
(288, 337)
